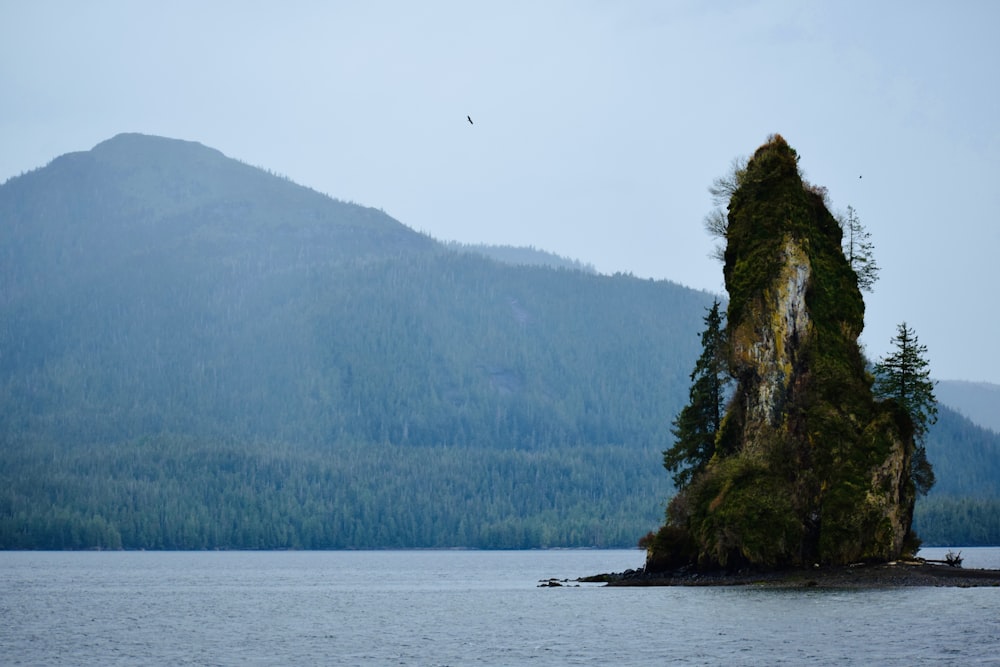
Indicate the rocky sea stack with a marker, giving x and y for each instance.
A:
(808, 467)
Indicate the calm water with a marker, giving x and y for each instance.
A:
(459, 608)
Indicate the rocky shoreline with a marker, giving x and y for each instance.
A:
(894, 574)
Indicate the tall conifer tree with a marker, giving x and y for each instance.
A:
(904, 376)
(858, 250)
(695, 427)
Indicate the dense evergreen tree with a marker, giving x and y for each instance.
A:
(904, 376)
(696, 426)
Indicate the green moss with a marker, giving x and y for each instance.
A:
(744, 513)
(670, 548)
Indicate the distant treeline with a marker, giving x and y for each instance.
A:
(949, 521)
(178, 493)
(185, 493)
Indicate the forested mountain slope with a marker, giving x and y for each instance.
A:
(522, 256)
(184, 331)
(963, 508)
(979, 401)
(197, 354)
(155, 286)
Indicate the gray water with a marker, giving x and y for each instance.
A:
(459, 608)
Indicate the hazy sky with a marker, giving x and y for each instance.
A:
(598, 124)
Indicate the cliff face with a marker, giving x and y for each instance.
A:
(767, 344)
(809, 468)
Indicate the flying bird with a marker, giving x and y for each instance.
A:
(470, 120)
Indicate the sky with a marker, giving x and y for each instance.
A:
(597, 125)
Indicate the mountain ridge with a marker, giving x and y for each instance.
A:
(979, 401)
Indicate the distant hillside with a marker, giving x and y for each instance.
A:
(183, 331)
(522, 256)
(979, 401)
(197, 354)
(180, 291)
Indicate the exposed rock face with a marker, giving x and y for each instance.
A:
(809, 468)
(767, 344)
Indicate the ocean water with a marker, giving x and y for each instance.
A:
(460, 608)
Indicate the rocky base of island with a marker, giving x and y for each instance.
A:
(862, 575)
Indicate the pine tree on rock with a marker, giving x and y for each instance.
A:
(904, 377)
(858, 250)
(696, 426)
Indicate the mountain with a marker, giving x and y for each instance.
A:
(179, 291)
(963, 508)
(979, 401)
(183, 333)
(195, 353)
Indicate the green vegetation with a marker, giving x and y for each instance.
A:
(183, 493)
(904, 377)
(964, 505)
(696, 426)
(858, 249)
(958, 521)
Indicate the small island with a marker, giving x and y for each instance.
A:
(796, 463)
(893, 574)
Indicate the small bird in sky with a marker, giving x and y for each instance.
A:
(470, 120)
(859, 177)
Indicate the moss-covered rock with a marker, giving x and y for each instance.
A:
(809, 467)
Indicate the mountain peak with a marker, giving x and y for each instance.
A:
(134, 197)
(134, 139)
(177, 158)
(132, 150)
